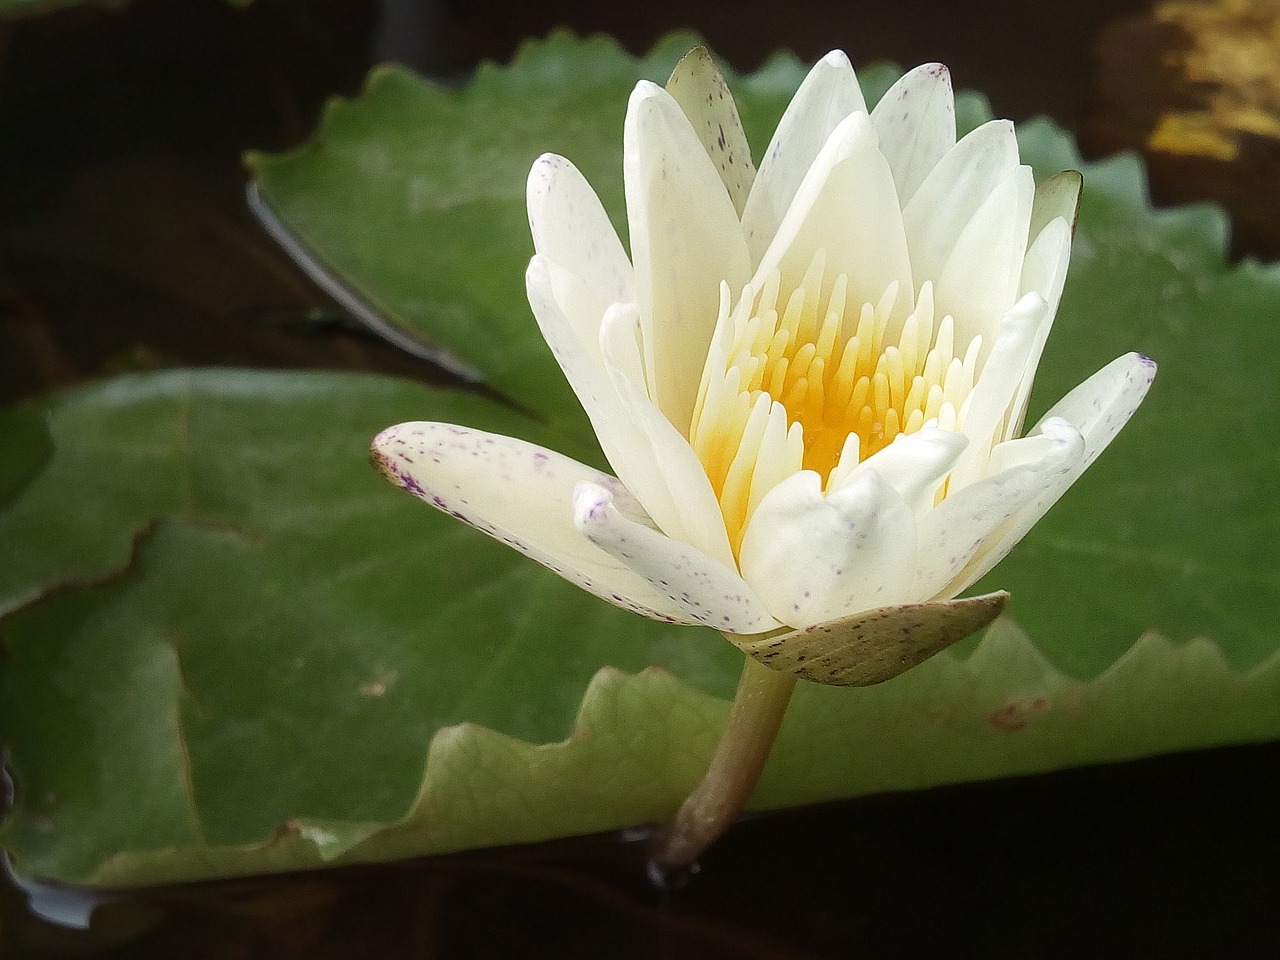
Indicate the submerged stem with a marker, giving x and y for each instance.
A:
(754, 719)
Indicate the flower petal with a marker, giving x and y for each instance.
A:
(915, 464)
(705, 590)
(983, 271)
(916, 121)
(1096, 410)
(876, 645)
(1044, 272)
(570, 228)
(847, 207)
(666, 476)
(520, 494)
(1103, 404)
(952, 193)
(685, 240)
(813, 558)
(828, 94)
(555, 296)
(698, 86)
(958, 529)
(1004, 372)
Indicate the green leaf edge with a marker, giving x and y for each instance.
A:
(998, 730)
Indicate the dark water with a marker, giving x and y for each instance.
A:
(124, 244)
(1171, 857)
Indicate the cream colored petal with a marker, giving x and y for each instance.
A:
(1093, 412)
(558, 298)
(522, 495)
(847, 206)
(959, 528)
(952, 193)
(570, 228)
(916, 121)
(662, 470)
(1002, 376)
(828, 94)
(698, 86)
(705, 590)
(685, 240)
(1100, 406)
(1044, 272)
(915, 464)
(813, 558)
(983, 271)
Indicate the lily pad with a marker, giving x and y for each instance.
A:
(229, 647)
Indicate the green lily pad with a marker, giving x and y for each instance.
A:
(229, 647)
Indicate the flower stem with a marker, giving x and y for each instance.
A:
(754, 719)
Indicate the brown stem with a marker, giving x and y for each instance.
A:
(754, 719)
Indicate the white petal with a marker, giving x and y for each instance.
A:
(1044, 272)
(705, 590)
(667, 476)
(685, 240)
(570, 228)
(522, 495)
(952, 193)
(1094, 412)
(1103, 404)
(699, 87)
(999, 383)
(828, 94)
(554, 294)
(847, 206)
(981, 276)
(915, 464)
(813, 558)
(960, 528)
(916, 120)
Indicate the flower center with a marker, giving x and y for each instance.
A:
(816, 383)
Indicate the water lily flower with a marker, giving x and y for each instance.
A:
(809, 378)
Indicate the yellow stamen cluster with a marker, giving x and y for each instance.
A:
(817, 383)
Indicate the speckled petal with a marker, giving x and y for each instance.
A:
(959, 528)
(699, 87)
(814, 558)
(828, 94)
(571, 229)
(916, 120)
(705, 590)
(520, 494)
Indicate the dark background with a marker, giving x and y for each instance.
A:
(124, 245)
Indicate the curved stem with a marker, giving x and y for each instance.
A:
(754, 719)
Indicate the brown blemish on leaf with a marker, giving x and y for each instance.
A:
(1017, 713)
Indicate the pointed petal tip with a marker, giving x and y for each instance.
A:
(390, 454)
(838, 59)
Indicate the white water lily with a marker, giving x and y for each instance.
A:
(810, 379)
